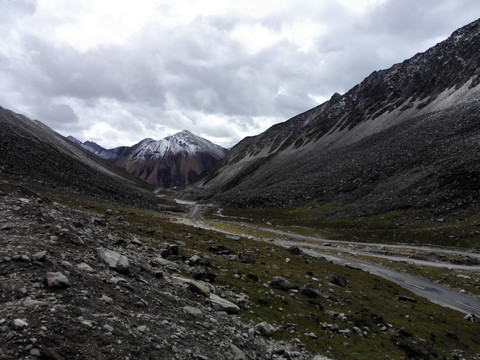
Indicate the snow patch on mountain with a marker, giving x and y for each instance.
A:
(183, 142)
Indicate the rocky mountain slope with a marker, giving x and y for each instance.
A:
(33, 153)
(404, 138)
(176, 160)
(72, 289)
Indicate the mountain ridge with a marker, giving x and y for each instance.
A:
(306, 157)
(32, 152)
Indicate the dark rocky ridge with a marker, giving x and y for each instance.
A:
(32, 152)
(404, 138)
(60, 299)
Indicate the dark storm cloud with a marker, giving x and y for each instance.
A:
(197, 75)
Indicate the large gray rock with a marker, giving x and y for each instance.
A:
(194, 286)
(115, 260)
(160, 261)
(199, 288)
(281, 283)
(193, 311)
(219, 303)
(338, 280)
(312, 292)
(85, 267)
(246, 258)
(239, 354)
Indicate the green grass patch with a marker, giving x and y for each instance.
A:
(395, 227)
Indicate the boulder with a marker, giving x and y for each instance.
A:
(195, 259)
(312, 292)
(264, 328)
(160, 261)
(239, 354)
(40, 256)
(295, 250)
(84, 267)
(19, 324)
(221, 250)
(56, 280)
(199, 288)
(450, 334)
(281, 283)
(193, 310)
(246, 258)
(337, 280)
(115, 260)
(219, 303)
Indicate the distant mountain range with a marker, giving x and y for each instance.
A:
(176, 160)
(405, 138)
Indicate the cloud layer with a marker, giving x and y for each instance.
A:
(115, 73)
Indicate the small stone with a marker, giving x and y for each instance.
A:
(451, 335)
(56, 280)
(311, 335)
(115, 260)
(106, 299)
(295, 250)
(312, 292)
(246, 258)
(219, 303)
(160, 261)
(199, 288)
(34, 352)
(193, 311)
(195, 259)
(40, 256)
(28, 302)
(206, 261)
(136, 242)
(77, 240)
(337, 280)
(239, 354)
(108, 328)
(142, 328)
(358, 331)
(84, 267)
(19, 324)
(405, 298)
(264, 328)
(281, 283)
(115, 280)
(470, 317)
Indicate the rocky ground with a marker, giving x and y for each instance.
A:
(73, 289)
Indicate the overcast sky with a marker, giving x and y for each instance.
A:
(116, 71)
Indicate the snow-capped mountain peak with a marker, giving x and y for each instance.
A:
(184, 143)
(175, 160)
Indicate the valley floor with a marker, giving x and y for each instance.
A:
(84, 278)
(379, 259)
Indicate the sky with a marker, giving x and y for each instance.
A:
(118, 71)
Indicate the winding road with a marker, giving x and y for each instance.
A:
(436, 293)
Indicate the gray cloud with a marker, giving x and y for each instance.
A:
(197, 76)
